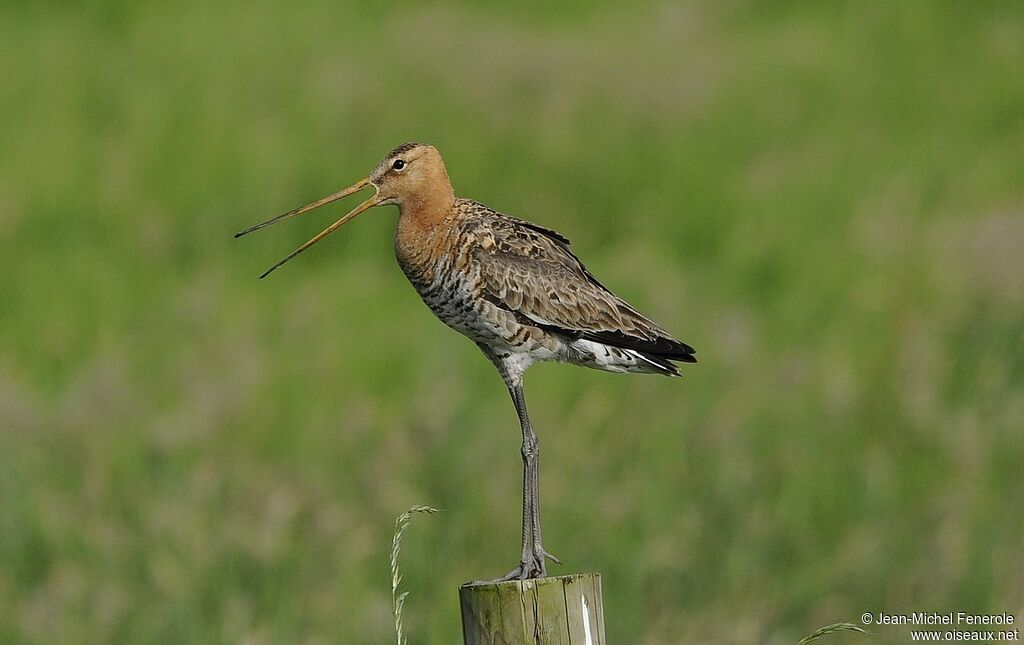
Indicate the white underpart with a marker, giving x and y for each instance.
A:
(590, 353)
(517, 362)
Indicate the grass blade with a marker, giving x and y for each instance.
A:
(398, 600)
(831, 629)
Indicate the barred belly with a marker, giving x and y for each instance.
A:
(454, 299)
(450, 296)
(453, 302)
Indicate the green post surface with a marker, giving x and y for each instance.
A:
(564, 610)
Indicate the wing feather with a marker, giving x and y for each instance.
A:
(530, 271)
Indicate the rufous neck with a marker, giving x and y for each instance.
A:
(429, 206)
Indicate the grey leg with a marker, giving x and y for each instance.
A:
(532, 563)
(531, 493)
(530, 458)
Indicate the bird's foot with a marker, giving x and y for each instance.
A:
(534, 567)
(542, 554)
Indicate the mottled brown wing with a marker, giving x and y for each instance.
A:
(531, 272)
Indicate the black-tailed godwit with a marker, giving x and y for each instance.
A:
(513, 287)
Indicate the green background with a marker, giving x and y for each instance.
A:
(825, 199)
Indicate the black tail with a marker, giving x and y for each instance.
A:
(658, 351)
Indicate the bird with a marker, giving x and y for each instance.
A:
(513, 287)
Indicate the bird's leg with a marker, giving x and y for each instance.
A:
(538, 552)
(532, 563)
(528, 501)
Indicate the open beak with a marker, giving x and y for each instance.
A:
(354, 188)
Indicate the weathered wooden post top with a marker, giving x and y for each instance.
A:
(564, 610)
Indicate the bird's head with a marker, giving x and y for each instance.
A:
(413, 174)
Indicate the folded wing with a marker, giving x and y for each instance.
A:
(530, 271)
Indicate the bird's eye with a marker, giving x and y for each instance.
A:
(398, 164)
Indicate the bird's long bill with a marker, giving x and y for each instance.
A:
(354, 188)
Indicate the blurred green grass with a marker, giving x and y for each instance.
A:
(827, 201)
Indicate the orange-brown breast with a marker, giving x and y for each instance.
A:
(424, 240)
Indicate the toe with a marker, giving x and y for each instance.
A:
(519, 573)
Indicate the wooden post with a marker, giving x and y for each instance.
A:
(546, 611)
